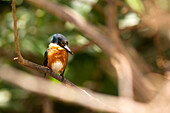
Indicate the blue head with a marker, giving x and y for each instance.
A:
(60, 40)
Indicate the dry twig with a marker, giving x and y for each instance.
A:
(46, 70)
(27, 63)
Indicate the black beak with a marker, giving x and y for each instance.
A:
(68, 49)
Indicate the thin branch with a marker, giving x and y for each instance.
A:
(45, 70)
(76, 49)
(47, 105)
(16, 32)
(27, 63)
(135, 75)
(122, 66)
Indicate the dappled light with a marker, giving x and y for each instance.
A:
(120, 61)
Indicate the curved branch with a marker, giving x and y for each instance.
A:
(16, 32)
(27, 63)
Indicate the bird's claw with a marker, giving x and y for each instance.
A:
(62, 76)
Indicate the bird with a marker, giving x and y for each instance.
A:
(55, 57)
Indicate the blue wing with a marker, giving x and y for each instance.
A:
(46, 58)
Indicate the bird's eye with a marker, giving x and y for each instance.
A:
(66, 42)
(59, 39)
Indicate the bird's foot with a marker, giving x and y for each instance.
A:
(47, 71)
(62, 75)
(45, 74)
(51, 71)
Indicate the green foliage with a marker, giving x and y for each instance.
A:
(85, 71)
(136, 5)
(35, 29)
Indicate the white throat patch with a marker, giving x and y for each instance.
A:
(55, 45)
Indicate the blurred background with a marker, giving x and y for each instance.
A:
(147, 41)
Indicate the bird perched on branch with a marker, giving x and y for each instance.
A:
(56, 55)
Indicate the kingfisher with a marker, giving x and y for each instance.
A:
(56, 55)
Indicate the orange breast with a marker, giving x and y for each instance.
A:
(57, 53)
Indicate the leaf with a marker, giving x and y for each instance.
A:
(136, 5)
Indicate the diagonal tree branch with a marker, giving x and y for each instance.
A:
(112, 46)
(46, 70)
(27, 63)
(72, 95)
